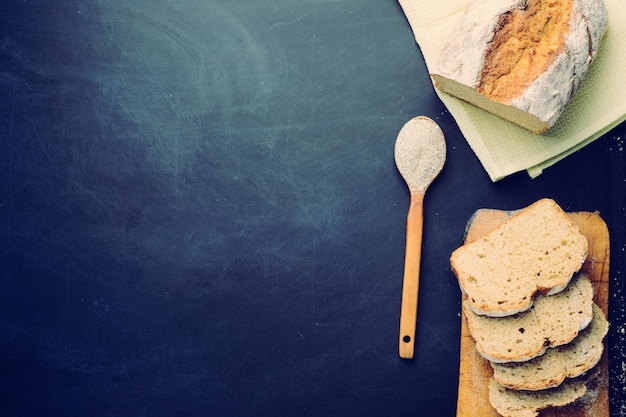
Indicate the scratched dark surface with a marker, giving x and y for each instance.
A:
(200, 214)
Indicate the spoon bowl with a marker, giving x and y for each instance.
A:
(420, 153)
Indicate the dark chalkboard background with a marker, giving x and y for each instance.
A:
(200, 214)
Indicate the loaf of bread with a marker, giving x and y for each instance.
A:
(529, 308)
(552, 368)
(536, 250)
(554, 320)
(513, 403)
(522, 60)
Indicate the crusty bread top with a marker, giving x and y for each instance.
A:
(513, 403)
(554, 320)
(537, 249)
(512, 61)
(463, 57)
(552, 368)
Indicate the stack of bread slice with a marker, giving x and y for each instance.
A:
(530, 309)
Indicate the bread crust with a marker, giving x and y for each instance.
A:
(526, 42)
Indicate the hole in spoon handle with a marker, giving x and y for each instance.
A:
(410, 283)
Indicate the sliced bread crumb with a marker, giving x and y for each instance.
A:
(536, 250)
(554, 320)
(514, 403)
(552, 368)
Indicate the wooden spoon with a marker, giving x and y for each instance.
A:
(420, 153)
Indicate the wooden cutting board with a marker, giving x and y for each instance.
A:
(475, 372)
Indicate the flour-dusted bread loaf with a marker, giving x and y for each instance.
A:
(553, 367)
(553, 320)
(536, 250)
(522, 60)
(514, 403)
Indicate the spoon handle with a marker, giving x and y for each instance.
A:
(410, 283)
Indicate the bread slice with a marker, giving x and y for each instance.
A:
(522, 60)
(553, 320)
(513, 403)
(552, 368)
(537, 249)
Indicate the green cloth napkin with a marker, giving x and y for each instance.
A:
(504, 148)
